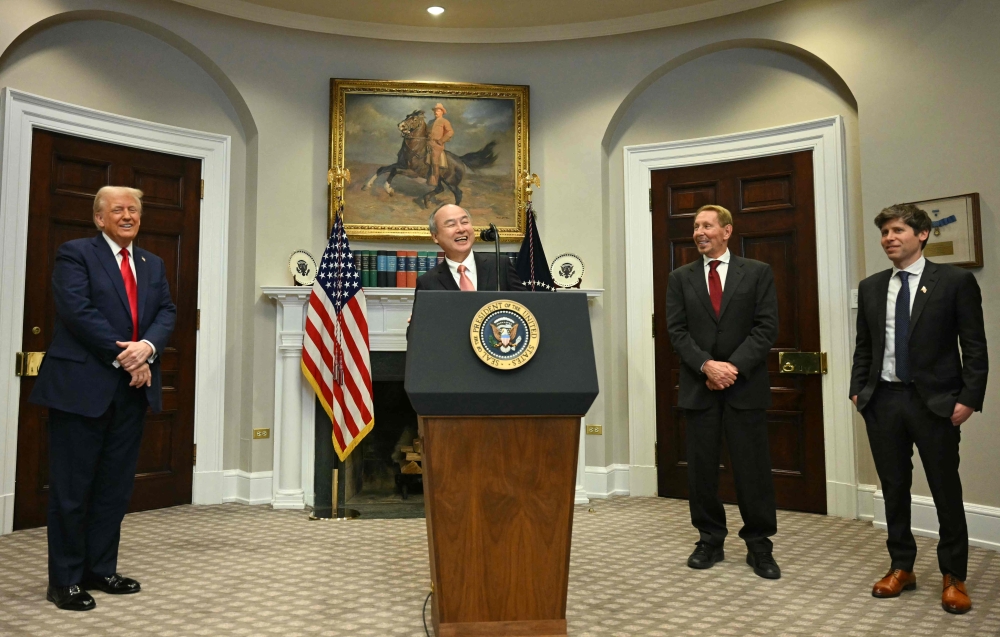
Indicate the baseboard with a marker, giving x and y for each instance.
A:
(983, 521)
(208, 487)
(6, 513)
(247, 488)
(642, 480)
(866, 502)
(604, 482)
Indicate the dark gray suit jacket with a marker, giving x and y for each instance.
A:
(440, 278)
(742, 335)
(949, 313)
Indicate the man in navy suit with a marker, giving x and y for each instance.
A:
(100, 374)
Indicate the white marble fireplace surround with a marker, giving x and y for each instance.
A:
(293, 431)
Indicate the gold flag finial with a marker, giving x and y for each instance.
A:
(528, 180)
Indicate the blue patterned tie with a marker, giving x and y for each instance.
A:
(903, 329)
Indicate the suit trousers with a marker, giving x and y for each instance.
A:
(897, 418)
(749, 453)
(92, 465)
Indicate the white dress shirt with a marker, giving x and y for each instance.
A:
(722, 268)
(915, 269)
(470, 264)
(117, 250)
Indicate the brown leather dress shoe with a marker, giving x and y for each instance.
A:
(895, 582)
(954, 599)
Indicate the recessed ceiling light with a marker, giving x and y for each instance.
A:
(435, 10)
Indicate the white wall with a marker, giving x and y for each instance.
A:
(924, 74)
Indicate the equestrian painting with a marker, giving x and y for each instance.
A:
(410, 151)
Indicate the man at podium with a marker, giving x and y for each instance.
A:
(462, 269)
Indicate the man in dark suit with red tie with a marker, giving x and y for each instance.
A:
(101, 372)
(462, 269)
(722, 317)
(913, 387)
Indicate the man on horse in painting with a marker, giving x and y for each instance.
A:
(441, 132)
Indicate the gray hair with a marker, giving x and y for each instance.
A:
(432, 223)
(105, 191)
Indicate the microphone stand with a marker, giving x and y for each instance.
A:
(492, 234)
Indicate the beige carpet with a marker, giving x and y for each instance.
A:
(240, 570)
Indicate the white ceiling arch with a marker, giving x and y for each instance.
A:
(477, 21)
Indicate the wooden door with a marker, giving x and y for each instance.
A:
(771, 199)
(66, 173)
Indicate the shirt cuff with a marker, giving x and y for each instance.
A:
(702, 368)
(152, 347)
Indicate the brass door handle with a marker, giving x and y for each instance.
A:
(27, 363)
(801, 362)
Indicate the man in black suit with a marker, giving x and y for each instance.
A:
(463, 269)
(100, 373)
(913, 387)
(722, 316)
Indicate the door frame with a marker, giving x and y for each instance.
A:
(23, 112)
(826, 139)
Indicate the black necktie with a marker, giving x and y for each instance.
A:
(903, 329)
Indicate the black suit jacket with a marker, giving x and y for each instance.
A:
(92, 312)
(948, 313)
(742, 334)
(440, 278)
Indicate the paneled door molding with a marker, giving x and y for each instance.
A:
(825, 138)
(22, 113)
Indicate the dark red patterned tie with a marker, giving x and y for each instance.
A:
(715, 286)
(132, 292)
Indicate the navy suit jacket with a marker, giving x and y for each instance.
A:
(440, 278)
(92, 312)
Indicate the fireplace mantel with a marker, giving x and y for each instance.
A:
(294, 405)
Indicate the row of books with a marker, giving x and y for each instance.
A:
(399, 268)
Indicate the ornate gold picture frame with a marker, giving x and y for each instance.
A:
(411, 146)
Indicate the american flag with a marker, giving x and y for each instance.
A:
(335, 348)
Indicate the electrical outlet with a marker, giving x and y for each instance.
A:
(595, 430)
(261, 434)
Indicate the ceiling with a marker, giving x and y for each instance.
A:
(477, 20)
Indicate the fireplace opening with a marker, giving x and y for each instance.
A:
(382, 476)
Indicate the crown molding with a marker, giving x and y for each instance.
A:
(570, 31)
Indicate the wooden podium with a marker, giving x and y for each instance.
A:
(500, 456)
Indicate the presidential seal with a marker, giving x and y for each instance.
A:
(504, 334)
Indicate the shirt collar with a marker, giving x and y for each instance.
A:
(724, 258)
(914, 269)
(115, 248)
(469, 263)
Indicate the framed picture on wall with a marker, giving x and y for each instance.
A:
(411, 146)
(957, 237)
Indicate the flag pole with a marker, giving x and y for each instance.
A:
(337, 178)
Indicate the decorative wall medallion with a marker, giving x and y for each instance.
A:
(567, 270)
(302, 265)
(504, 334)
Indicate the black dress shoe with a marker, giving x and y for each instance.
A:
(70, 598)
(764, 565)
(113, 584)
(705, 555)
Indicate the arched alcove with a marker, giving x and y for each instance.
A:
(720, 89)
(124, 65)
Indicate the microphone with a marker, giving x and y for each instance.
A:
(492, 234)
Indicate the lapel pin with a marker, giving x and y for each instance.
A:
(922, 289)
(144, 258)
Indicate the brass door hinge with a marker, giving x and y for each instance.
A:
(653, 316)
(194, 454)
(197, 320)
(651, 200)
(27, 363)
(202, 188)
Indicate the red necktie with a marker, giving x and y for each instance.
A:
(132, 292)
(464, 282)
(715, 286)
